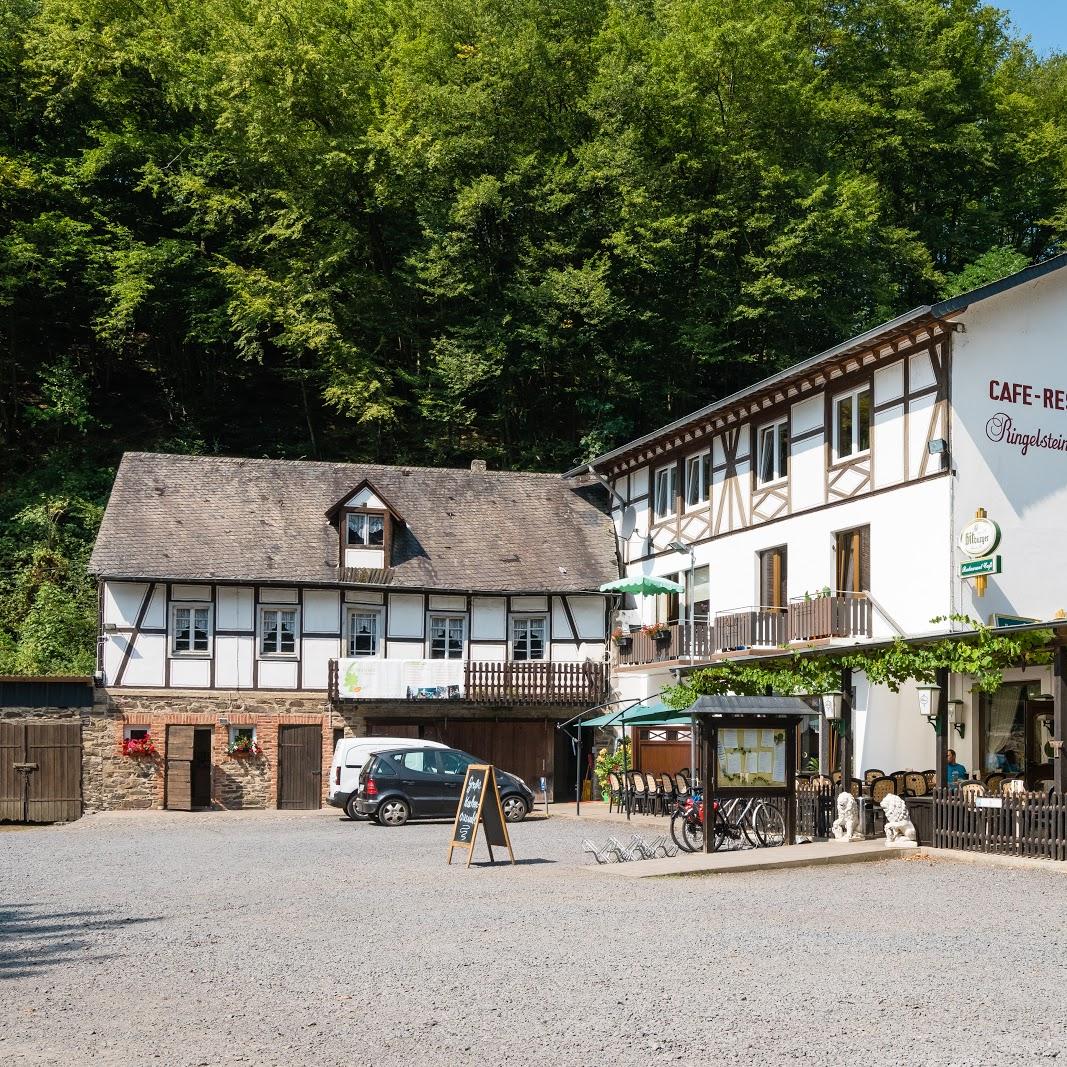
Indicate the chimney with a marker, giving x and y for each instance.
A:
(478, 466)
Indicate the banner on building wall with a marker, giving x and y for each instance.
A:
(367, 678)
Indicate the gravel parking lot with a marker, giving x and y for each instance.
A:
(293, 938)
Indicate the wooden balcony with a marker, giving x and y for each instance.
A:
(535, 682)
(755, 627)
(823, 617)
(639, 647)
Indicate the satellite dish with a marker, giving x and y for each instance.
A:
(628, 523)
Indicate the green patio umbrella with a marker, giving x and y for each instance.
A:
(642, 585)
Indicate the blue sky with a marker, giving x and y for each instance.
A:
(1044, 20)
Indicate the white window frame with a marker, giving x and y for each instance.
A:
(261, 629)
(365, 516)
(128, 728)
(779, 460)
(360, 609)
(671, 470)
(172, 630)
(233, 732)
(450, 615)
(853, 396)
(545, 647)
(701, 463)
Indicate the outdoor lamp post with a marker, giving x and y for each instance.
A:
(927, 695)
(690, 625)
(831, 705)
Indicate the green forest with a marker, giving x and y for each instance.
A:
(430, 230)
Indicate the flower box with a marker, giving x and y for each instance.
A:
(243, 748)
(139, 747)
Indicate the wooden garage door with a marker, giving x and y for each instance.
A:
(523, 748)
(40, 771)
(299, 767)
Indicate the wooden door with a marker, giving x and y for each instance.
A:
(299, 767)
(179, 773)
(54, 788)
(12, 781)
(40, 771)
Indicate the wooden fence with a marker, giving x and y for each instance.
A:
(1015, 824)
(535, 682)
(816, 810)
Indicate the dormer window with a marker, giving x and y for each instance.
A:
(367, 525)
(365, 530)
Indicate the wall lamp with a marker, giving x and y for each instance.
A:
(955, 717)
(927, 695)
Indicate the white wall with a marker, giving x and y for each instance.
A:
(1015, 338)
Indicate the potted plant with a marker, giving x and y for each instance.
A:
(244, 746)
(660, 632)
(608, 761)
(139, 747)
(623, 639)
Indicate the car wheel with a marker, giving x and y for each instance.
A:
(514, 809)
(350, 809)
(393, 812)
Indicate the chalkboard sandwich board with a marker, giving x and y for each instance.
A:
(479, 804)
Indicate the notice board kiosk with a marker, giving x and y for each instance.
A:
(749, 750)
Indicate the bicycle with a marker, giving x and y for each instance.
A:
(760, 823)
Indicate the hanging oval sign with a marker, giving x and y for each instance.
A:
(979, 538)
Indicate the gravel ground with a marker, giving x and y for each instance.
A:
(298, 938)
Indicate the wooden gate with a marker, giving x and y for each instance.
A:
(40, 771)
(299, 767)
(179, 783)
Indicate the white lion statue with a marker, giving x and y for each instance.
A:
(846, 826)
(899, 829)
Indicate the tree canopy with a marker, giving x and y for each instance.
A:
(427, 230)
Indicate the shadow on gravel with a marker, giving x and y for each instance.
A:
(33, 940)
(504, 863)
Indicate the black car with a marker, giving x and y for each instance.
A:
(425, 783)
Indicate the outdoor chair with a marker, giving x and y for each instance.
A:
(1012, 785)
(681, 786)
(931, 780)
(638, 792)
(836, 777)
(820, 781)
(855, 786)
(881, 788)
(901, 779)
(657, 803)
(971, 789)
(869, 776)
(916, 784)
(667, 786)
(993, 781)
(616, 792)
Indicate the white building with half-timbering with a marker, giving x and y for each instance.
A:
(825, 506)
(281, 604)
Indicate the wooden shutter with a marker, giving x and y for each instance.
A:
(179, 783)
(773, 578)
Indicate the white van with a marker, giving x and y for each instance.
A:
(349, 755)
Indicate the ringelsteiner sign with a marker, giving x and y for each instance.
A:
(479, 805)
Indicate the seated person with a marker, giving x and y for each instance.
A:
(955, 772)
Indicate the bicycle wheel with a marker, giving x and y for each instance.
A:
(678, 831)
(720, 832)
(769, 825)
(693, 832)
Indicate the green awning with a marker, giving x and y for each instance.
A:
(651, 714)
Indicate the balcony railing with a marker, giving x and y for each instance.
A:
(839, 615)
(755, 627)
(818, 618)
(479, 682)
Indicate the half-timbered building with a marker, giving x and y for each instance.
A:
(252, 611)
(824, 506)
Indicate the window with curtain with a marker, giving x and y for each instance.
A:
(528, 635)
(363, 633)
(277, 632)
(365, 530)
(190, 629)
(446, 637)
